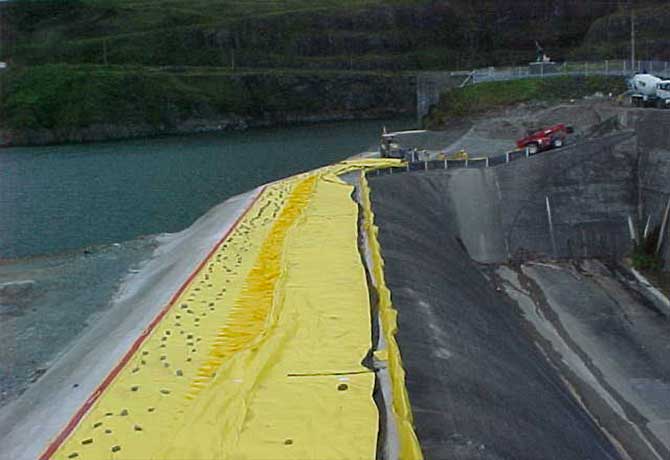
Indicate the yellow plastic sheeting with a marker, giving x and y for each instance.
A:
(410, 449)
(301, 391)
(283, 400)
(144, 405)
(326, 286)
(366, 164)
(252, 310)
(261, 356)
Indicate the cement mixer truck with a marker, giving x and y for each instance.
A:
(648, 90)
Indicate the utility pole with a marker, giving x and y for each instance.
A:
(632, 36)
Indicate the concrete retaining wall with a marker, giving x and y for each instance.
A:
(501, 213)
(479, 387)
(653, 145)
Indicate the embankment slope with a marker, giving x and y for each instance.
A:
(501, 213)
(485, 378)
(478, 386)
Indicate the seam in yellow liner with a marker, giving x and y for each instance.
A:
(410, 448)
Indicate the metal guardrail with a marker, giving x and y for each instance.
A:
(471, 163)
(607, 67)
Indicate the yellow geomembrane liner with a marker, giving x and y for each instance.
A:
(260, 358)
(410, 449)
(143, 405)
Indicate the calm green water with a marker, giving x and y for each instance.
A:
(56, 199)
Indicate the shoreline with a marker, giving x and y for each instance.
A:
(102, 133)
(30, 421)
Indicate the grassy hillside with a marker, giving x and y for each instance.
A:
(61, 96)
(160, 63)
(65, 96)
(60, 102)
(477, 99)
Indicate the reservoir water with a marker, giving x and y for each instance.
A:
(63, 198)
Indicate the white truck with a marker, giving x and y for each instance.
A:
(648, 90)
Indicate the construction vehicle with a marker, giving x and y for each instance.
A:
(389, 147)
(647, 90)
(545, 139)
(461, 155)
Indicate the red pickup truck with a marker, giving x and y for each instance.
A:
(545, 139)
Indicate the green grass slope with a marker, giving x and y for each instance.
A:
(66, 99)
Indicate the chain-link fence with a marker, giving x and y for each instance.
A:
(550, 69)
(431, 84)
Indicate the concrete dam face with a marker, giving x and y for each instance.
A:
(570, 203)
(521, 334)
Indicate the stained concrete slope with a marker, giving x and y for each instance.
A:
(637, 168)
(591, 192)
(608, 338)
(556, 360)
(501, 213)
(479, 387)
(653, 141)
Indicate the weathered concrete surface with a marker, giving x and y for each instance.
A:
(501, 213)
(479, 387)
(608, 339)
(638, 167)
(653, 142)
(588, 364)
(591, 193)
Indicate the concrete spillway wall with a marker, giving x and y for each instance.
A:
(429, 87)
(574, 202)
(653, 145)
(479, 387)
(578, 371)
